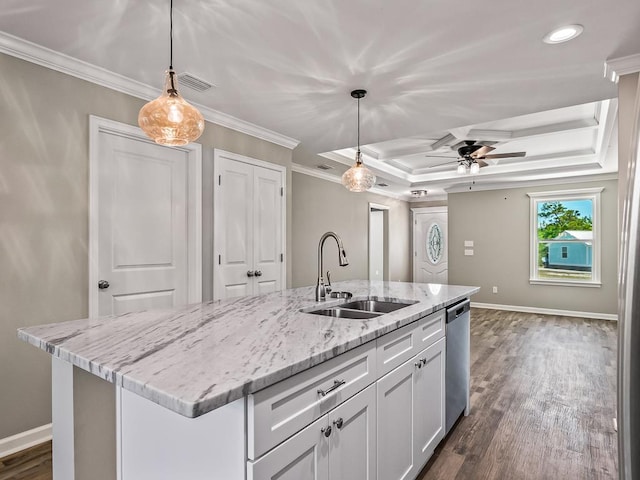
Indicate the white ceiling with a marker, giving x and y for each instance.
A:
(431, 68)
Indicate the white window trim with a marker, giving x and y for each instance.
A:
(592, 194)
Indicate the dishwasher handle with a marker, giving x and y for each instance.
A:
(457, 310)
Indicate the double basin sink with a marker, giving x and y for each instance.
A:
(362, 309)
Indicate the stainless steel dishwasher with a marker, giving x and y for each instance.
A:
(457, 367)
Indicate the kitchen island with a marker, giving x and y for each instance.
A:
(213, 390)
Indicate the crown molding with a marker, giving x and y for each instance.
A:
(296, 167)
(600, 177)
(616, 67)
(45, 57)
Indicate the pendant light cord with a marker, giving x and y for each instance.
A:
(171, 35)
(358, 123)
(173, 91)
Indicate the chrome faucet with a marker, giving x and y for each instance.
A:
(321, 288)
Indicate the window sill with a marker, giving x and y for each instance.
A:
(565, 283)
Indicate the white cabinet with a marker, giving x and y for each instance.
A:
(352, 443)
(279, 411)
(248, 233)
(429, 402)
(340, 445)
(411, 413)
(395, 397)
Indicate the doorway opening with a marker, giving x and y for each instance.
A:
(378, 242)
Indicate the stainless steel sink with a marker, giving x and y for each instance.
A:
(345, 313)
(378, 306)
(361, 309)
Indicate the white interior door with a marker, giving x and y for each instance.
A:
(142, 215)
(430, 245)
(248, 231)
(233, 230)
(267, 239)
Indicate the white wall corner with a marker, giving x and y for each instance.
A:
(22, 441)
(615, 67)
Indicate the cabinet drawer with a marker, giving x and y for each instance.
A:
(430, 329)
(279, 411)
(396, 347)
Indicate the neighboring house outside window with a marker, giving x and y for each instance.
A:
(565, 237)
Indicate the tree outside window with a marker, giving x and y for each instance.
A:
(564, 246)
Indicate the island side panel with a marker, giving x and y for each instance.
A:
(156, 443)
(62, 419)
(94, 411)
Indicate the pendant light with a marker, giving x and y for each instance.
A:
(358, 178)
(170, 119)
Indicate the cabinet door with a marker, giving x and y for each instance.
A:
(352, 444)
(429, 401)
(395, 397)
(305, 456)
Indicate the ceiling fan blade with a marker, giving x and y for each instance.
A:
(481, 163)
(440, 156)
(504, 155)
(445, 163)
(482, 151)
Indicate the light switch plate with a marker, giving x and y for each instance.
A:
(468, 252)
(468, 243)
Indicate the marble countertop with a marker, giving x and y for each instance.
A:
(196, 358)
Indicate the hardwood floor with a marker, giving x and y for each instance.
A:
(31, 464)
(543, 400)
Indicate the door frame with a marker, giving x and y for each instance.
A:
(385, 234)
(99, 125)
(236, 157)
(414, 221)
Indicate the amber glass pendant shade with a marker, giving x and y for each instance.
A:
(358, 178)
(170, 119)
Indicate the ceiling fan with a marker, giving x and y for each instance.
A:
(472, 153)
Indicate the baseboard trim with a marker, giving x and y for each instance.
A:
(546, 311)
(24, 440)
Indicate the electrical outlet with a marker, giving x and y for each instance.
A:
(495, 289)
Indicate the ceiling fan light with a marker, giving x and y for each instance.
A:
(461, 169)
(170, 119)
(358, 178)
(474, 169)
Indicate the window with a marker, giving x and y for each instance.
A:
(565, 237)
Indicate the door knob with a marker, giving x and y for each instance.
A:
(103, 284)
(258, 273)
(250, 273)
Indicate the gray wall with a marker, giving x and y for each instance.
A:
(498, 223)
(44, 164)
(320, 206)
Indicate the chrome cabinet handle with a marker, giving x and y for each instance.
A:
(338, 423)
(326, 431)
(103, 284)
(424, 361)
(336, 384)
(418, 364)
(258, 273)
(250, 273)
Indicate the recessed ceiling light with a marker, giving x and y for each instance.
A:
(563, 34)
(382, 184)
